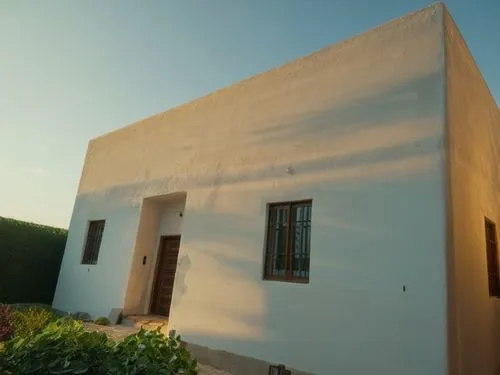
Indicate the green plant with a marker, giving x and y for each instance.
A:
(6, 324)
(81, 316)
(150, 352)
(102, 321)
(32, 320)
(63, 347)
(30, 256)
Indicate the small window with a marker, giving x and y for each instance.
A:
(93, 242)
(287, 250)
(492, 258)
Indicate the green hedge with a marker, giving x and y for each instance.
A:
(30, 258)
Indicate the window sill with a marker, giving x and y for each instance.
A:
(285, 280)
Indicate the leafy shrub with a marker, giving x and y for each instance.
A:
(64, 346)
(31, 320)
(150, 352)
(102, 321)
(6, 324)
(81, 316)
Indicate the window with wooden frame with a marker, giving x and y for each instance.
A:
(288, 242)
(93, 242)
(492, 258)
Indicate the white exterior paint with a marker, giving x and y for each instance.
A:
(473, 122)
(171, 219)
(362, 124)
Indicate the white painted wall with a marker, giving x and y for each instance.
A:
(137, 296)
(170, 218)
(474, 152)
(97, 288)
(361, 122)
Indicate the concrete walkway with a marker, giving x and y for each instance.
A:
(119, 332)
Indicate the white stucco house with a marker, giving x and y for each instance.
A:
(336, 214)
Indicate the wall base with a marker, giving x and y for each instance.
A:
(233, 363)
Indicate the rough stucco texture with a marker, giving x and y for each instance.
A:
(474, 151)
(362, 125)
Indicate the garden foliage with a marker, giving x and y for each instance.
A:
(64, 346)
(6, 323)
(102, 321)
(30, 258)
(32, 320)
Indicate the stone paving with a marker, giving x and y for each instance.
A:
(119, 332)
(207, 370)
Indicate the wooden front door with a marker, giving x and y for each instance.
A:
(165, 274)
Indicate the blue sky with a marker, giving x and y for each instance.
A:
(72, 70)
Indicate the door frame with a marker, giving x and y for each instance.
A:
(159, 254)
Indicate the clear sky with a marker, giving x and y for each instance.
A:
(73, 70)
